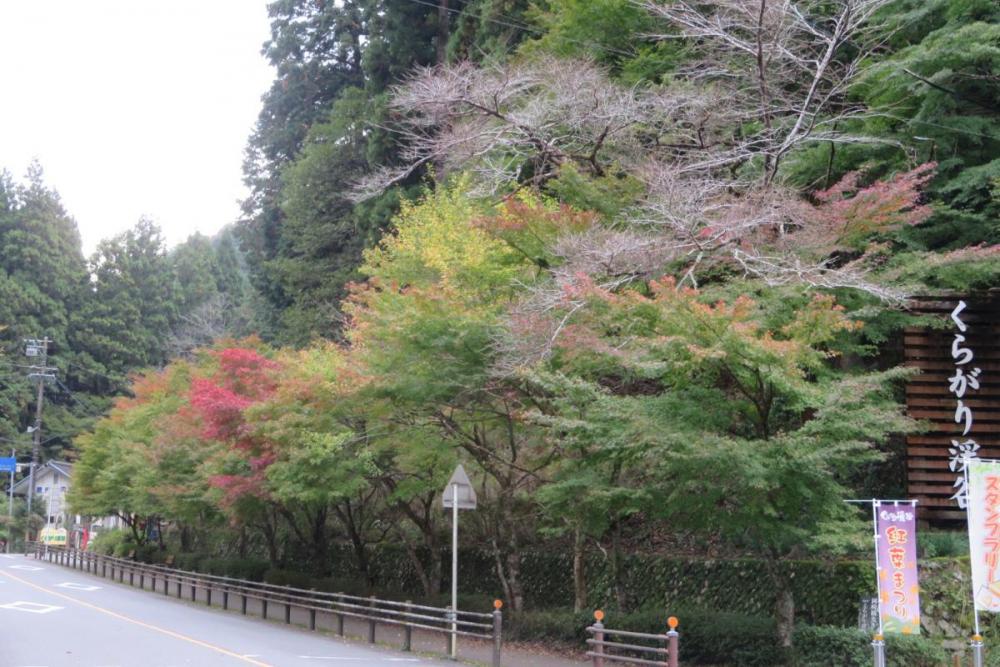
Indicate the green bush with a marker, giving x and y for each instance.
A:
(291, 578)
(108, 543)
(827, 646)
(251, 569)
(942, 544)
(190, 562)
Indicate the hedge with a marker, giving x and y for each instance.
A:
(826, 593)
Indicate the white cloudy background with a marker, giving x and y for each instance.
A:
(133, 107)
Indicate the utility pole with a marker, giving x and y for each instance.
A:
(34, 348)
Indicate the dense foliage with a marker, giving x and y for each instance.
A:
(631, 262)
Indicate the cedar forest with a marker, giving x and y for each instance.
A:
(641, 266)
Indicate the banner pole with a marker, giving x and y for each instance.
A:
(878, 566)
(968, 525)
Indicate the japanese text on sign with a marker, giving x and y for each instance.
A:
(964, 380)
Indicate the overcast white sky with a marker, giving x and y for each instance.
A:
(133, 107)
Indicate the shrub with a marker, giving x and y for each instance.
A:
(291, 578)
(108, 543)
(942, 544)
(826, 646)
(190, 561)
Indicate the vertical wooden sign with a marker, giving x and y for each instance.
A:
(957, 393)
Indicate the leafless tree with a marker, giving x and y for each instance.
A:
(515, 123)
(783, 64)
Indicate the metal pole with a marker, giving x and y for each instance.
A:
(36, 441)
(878, 646)
(10, 507)
(454, 572)
(497, 632)
(968, 524)
(878, 569)
(977, 650)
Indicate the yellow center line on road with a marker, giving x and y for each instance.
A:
(142, 624)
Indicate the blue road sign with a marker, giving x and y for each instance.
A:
(8, 464)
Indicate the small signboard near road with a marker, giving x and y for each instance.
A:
(466, 494)
(8, 464)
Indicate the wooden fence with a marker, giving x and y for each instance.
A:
(621, 647)
(226, 591)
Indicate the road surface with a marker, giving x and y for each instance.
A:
(53, 616)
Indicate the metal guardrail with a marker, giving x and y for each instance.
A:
(664, 653)
(371, 609)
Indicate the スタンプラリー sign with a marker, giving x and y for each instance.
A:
(898, 585)
(984, 532)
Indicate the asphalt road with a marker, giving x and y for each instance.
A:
(52, 616)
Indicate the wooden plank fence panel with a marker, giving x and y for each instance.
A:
(929, 396)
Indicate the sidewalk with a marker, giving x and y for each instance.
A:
(430, 644)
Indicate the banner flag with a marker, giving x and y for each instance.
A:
(898, 586)
(984, 533)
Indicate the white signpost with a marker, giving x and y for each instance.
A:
(458, 495)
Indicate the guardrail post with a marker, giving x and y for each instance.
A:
(104, 568)
(447, 635)
(208, 595)
(497, 631)
(288, 613)
(131, 575)
(340, 617)
(673, 641)
(152, 581)
(371, 621)
(407, 630)
(598, 638)
(179, 594)
(263, 608)
(194, 591)
(243, 604)
(312, 619)
(225, 599)
(142, 580)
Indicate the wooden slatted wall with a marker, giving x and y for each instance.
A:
(929, 398)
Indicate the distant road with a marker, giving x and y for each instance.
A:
(52, 616)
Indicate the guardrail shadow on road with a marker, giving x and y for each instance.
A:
(371, 610)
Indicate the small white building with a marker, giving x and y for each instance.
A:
(52, 481)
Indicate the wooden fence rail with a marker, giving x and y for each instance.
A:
(373, 610)
(621, 647)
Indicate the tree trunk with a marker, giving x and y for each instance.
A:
(784, 616)
(616, 566)
(443, 30)
(579, 572)
(418, 565)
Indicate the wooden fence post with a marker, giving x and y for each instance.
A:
(407, 630)
(673, 640)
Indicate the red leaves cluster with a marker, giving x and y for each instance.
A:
(243, 379)
(880, 207)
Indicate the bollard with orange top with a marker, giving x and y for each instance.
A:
(673, 640)
(598, 638)
(497, 631)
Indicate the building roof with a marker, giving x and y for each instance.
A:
(62, 467)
